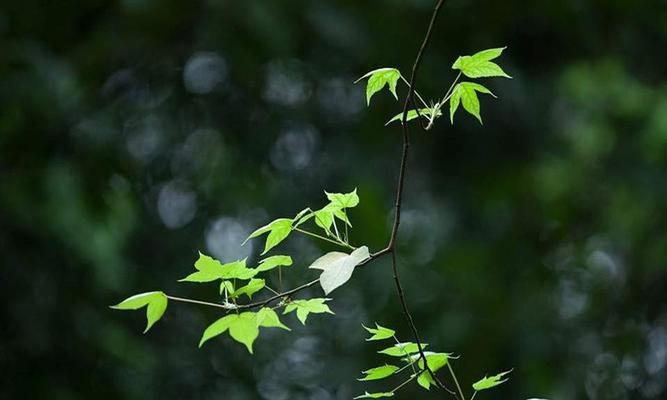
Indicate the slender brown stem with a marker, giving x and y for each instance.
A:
(399, 190)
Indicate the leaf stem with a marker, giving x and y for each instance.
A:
(315, 235)
(417, 93)
(406, 354)
(456, 381)
(406, 382)
(448, 94)
(205, 303)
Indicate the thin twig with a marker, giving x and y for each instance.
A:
(406, 382)
(315, 235)
(204, 303)
(456, 381)
(401, 183)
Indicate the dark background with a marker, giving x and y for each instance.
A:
(135, 133)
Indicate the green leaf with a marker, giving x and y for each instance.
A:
(254, 286)
(379, 372)
(155, 302)
(305, 307)
(229, 285)
(242, 328)
(479, 65)
(217, 328)
(343, 200)
(278, 230)
(208, 270)
(324, 217)
(425, 380)
(466, 93)
(412, 114)
(274, 261)
(378, 78)
(491, 381)
(237, 270)
(338, 267)
(435, 360)
(379, 333)
(268, 318)
(402, 349)
(377, 395)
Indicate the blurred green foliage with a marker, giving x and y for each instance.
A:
(134, 133)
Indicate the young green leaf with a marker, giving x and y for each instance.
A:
(278, 230)
(466, 93)
(254, 286)
(412, 114)
(402, 349)
(343, 200)
(379, 372)
(237, 270)
(273, 262)
(425, 380)
(208, 270)
(305, 307)
(377, 395)
(324, 218)
(479, 65)
(338, 269)
(242, 328)
(229, 285)
(378, 78)
(268, 318)
(155, 302)
(217, 328)
(435, 360)
(379, 333)
(491, 381)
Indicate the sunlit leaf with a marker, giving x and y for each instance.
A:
(268, 318)
(277, 230)
(343, 200)
(155, 303)
(380, 332)
(425, 380)
(378, 78)
(435, 360)
(254, 286)
(412, 114)
(491, 381)
(273, 262)
(379, 372)
(377, 395)
(479, 65)
(228, 285)
(242, 328)
(402, 349)
(466, 93)
(338, 269)
(305, 307)
(217, 328)
(208, 269)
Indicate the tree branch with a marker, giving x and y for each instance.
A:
(391, 247)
